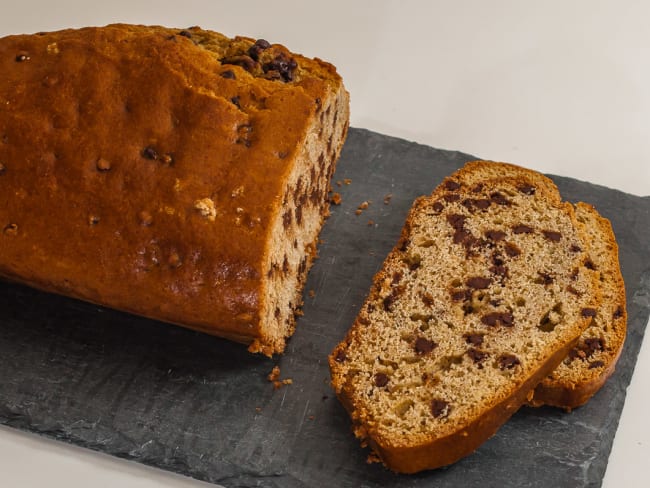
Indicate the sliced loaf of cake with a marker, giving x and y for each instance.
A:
(467, 315)
(592, 361)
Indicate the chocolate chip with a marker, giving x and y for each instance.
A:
(482, 203)
(497, 259)
(424, 346)
(185, 33)
(228, 74)
(544, 278)
(618, 313)
(588, 312)
(437, 207)
(593, 344)
(499, 271)
(463, 236)
(256, 49)
(512, 250)
(589, 264)
(452, 185)
(340, 356)
(150, 153)
(427, 299)
(573, 291)
(478, 282)
(284, 65)
(451, 197)
(526, 189)
(575, 248)
(440, 408)
(474, 339)
(477, 356)
(522, 229)
(478, 188)
(397, 277)
(596, 364)
(461, 295)
(552, 235)
(499, 199)
(508, 361)
(380, 380)
(457, 221)
(495, 318)
(495, 235)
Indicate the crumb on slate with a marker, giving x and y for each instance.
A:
(274, 377)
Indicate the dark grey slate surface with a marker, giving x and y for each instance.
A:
(201, 406)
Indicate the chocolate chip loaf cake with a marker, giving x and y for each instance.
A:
(176, 174)
(469, 312)
(592, 361)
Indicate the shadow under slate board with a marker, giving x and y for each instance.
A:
(201, 406)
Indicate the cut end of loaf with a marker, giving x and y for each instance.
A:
(468, 308)
(294, 235)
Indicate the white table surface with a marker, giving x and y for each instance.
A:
(559, 86)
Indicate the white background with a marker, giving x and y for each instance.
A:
(559, 86)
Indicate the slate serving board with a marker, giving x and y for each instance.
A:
(203, 407)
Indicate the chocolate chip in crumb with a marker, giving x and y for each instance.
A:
(185, 33)
(440, 408)
(499, 199)
(461, 295)
(593, 344)
(575, 248)
(492, 319)
(544, 278)
(588, 312)
(552, 235)
(228, 74)
(424, 346)
(474, 339)
(478, 282)
(437, 207)
(380, 380)
(589, 264)
(451, 197)
(618, 313)
(340, 356)
(522, 229)
(596, 364)
(512, 250)
(508, 361)
(452, 185)
(495, 235)
(457, 221)
(527, 189)
(477, 356)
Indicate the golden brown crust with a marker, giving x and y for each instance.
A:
(145, 168)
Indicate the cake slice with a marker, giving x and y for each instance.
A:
(467, 315)
(178, 174)
(592, 361)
